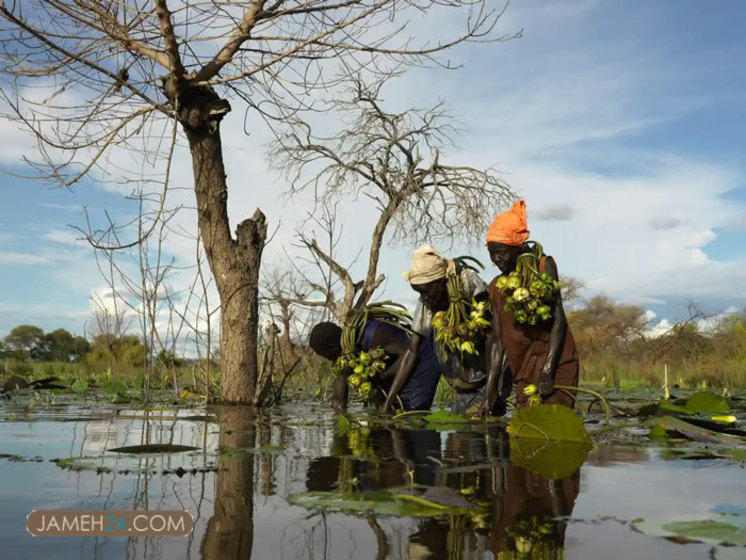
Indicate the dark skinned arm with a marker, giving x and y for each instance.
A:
(390, 344)
(495, 348)
(406, 365)
(556, 339)
(339, 395)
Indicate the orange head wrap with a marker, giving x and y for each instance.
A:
(510, 227)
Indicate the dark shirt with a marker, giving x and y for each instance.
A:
(419, 390)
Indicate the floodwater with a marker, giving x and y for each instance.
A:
(270, 486)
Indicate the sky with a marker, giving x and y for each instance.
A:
(622, 125)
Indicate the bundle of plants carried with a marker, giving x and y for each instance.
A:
(361, 367)
(458, 328)
(529, 294)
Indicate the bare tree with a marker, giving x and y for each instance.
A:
(395, 160)
(328, 282)
(286, 302)
(571, 291)
(123, 73)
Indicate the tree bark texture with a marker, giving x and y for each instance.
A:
(234, 261)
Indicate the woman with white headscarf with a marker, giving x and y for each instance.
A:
(428, 277)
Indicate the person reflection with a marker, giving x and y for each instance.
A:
(376, 459)
(230, 531)
(527, 507)
(531, 518)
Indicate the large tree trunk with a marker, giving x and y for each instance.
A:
(234, 261)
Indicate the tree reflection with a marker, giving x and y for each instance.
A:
(230, 531)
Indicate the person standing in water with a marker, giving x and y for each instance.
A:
(428, 277)
(539, 346)
(419, 390)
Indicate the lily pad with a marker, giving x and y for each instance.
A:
(549, 422)
(343, 423)
(153, 448)
(133, 464)
(444, 417)
(705, 401)
(696, 433)
(551, 459)
(440, 497)
(696, 451)
(727, 529)
(384, 502)
(668, 406)
(79, 386)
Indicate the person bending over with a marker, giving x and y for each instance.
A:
(418, 391)
(428, 277)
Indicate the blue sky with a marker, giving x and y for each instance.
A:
(621, 123)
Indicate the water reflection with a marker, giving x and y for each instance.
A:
(230, 530)
(497, 499)
(522, 511)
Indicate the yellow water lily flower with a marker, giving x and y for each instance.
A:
(726, 419)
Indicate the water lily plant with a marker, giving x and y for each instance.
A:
(458, 327)
(528, 293)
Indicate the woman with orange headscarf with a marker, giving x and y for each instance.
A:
(529, 326)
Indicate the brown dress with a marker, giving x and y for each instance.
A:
(526, 348)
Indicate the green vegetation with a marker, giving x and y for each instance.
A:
(616, 349)
(614, 341)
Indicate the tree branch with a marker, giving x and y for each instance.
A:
(229, 50)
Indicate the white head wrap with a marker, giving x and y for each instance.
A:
(427, 265)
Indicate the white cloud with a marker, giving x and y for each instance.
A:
(64, 236)
(658, 329)
(559, 113)
(70, 207)
(22, 259)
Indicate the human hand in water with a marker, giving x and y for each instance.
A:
(385, 409)
(546, 381)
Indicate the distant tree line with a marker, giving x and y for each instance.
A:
(616, 339)
(30, 344)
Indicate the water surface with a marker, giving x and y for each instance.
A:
(247, 486)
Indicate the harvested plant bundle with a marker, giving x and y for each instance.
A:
(528, 293)
(362, 367)
(457, 328)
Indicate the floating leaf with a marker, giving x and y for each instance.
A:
(668, 406)
(694, 451)
(131, 464)
(154, 448)
(551, 459)
(696, 433)
(433, 496)
(549, 422)
(243, 452)
(708, 402)
(384, 502)
(659, 433)
(715, 528)
(343, 422)
(79, 386)
(444, 417)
